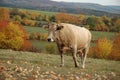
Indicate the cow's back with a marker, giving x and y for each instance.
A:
(79, 36)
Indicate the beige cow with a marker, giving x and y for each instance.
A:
(70, 37)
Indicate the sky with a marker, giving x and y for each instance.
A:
(102, 2)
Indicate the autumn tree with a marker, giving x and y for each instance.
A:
(102, 48)
(17, 19)
(82, 18)
(4, 14)
(63, 17)
(116, 26)
(115, 54)
(11, 37)
(91, 22)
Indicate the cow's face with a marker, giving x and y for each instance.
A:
(52, 29)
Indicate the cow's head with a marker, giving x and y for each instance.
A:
(52, 29)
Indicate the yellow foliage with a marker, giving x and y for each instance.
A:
(11, 37)
(44, 36)
(102, 48)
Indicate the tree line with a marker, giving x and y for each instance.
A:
(103, 23)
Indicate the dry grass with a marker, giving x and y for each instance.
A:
(18, 65)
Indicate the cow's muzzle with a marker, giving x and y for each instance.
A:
(49, 39)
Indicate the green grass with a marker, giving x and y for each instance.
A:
(30, 29)
(29, 66)
(98, 34)
(40, 44)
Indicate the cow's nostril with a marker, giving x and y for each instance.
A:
(49, 39)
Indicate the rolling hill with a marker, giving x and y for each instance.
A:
(78, 8)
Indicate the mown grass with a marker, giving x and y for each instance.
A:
(101, 34)
(47, 63)
(30, 29)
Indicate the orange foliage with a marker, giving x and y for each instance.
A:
(4, 18)
(44, 36)
(34, 36)
(115, 54)
(26, 44)
(3, 24)
(11, 37)
(63, 17)
(4, 14)
(102, 48)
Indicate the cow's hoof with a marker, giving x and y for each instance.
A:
(61, 65)
(83, 67)
(76, 66)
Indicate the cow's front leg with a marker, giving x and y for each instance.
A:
(74, 57)
(62, 59)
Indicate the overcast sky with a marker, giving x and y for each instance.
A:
(102, 2)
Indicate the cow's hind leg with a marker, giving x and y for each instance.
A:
(75, 57)
(85, 51)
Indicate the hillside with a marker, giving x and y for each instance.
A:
(78, 8)
(18, 65)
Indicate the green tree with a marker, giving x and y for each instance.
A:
(91, 22)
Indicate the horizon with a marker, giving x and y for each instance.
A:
(101, 2)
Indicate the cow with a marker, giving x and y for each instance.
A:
(70, 37)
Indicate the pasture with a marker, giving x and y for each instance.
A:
(18, 65)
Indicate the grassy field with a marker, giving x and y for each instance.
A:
(18, 65)
(30, 29)
(98, 34)
(40, 44)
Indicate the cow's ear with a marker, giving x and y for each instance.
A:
(45, 26)
(59, 27)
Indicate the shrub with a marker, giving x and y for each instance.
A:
(102, 48)
(115, 54)
(11, 37)
(26, 44)
(34, 36)
(50, 48)
(34, 49)
(37, 34)
(44, 36)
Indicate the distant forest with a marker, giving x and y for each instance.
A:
(34, 18)
(76, 8)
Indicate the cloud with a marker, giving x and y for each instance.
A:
(102, 2)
